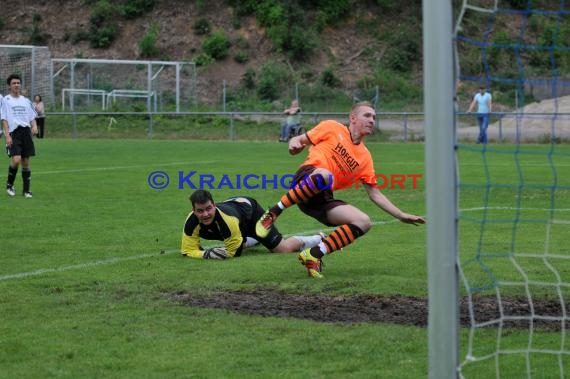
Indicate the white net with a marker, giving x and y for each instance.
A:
(33, 64)
(122, 85)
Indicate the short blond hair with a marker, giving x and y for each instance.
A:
(355, 106)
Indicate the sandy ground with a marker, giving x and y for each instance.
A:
(536, 122)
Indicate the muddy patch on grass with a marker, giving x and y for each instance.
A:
(401, 310)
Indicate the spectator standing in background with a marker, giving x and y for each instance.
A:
(484, 102)
(40, 118)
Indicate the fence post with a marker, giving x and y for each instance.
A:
(501, 129)
(232, 128)
(150, 126)
(406, 127)
(74, 133)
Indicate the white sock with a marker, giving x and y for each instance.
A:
(249, 242)
(309, 241)
(280, 205)
(323, 248)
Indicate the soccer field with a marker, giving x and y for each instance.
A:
(92, 284)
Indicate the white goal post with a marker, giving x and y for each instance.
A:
(443, 312)
(149, 96)
(165, 85)
(71, 92)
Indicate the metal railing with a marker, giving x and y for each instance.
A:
(396, 126)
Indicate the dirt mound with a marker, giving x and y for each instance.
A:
(536, 122)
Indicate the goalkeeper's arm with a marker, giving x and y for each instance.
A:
(191, 248)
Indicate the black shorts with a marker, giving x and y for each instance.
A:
(274, 238)
(318, 205)
(22, 142)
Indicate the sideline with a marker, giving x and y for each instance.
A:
(73, 171)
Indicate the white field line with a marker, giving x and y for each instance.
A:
(92, 169)
(114, 260)
(109, 261)
(80, 266)
(73, 171)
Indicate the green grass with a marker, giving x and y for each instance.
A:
(195, 127)
(86, 267)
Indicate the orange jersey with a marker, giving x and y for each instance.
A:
(332, 148)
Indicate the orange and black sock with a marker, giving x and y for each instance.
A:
(342, 236)
(304, 190)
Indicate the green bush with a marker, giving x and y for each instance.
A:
(272, 80)
(37, 36)
(217, 45)
(243, 7)
(330, 11)
(136, 8)
(270, 13)
(102, 37)
(396, 89)
(268, 88)
(287, 23)
(405, 51)
(78, 36)
(147, 44)
(102, 28)
(201, 27)
(298, 43)
(329, 79)
(248, 79)
(102, 12)
(203, 59)
(241, 57)
(499, 57)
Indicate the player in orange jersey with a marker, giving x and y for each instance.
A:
(337, 154)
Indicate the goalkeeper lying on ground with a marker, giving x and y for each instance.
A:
(232, 221)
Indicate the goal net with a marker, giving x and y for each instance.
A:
(32, 63)
(514, 191)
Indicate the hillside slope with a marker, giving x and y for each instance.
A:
(350, 49)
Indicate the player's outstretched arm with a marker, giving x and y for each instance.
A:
(387, 206)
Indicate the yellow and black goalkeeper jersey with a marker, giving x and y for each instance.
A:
(233, 218)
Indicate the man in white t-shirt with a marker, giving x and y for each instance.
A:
(484, 102)
(19, 124)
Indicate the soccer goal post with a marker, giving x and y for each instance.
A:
(439, 110)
